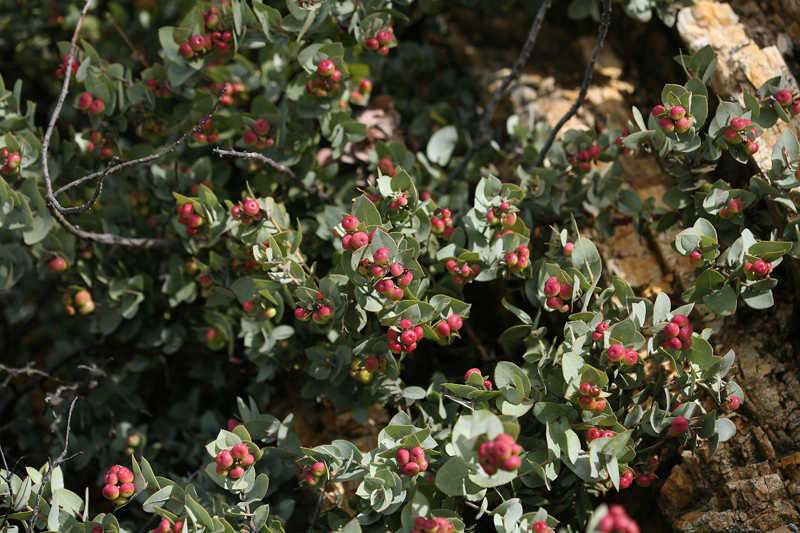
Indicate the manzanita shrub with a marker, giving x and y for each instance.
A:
(248, 190)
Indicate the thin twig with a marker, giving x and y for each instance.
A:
(52, 466)
(587, 79)
(513, 75)
(277, 166)
(93, 199)
(319, 505)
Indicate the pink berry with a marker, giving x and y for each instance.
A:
(680, 320)
(568, 249)
(677, 112)
(455, 322)
(659, 110)
(671, 330)
(616, 352)
(239, 451)
(666, 124)
(738, 124)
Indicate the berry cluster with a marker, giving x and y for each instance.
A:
(380, 43)
(247, 211)
(318, 312)
(57, 265)
(133, 441)
(312, 474)
(215, 340)
(741, 132)
(617, 521)
(10, 162)
(487, 384)
(441, 223)
(432, 525)
(207, 134)
(411, 462)
(786, 99)
(618, 354)
(107, 151)
(677, 335)
(500, 454)
(599, 330)
(118, 484)
(90, 104)
(758, 270)
(646, 475)
(353, 240)
(393, 278)
(237, 93)
(594, 433)
(462, 274)
(364, 86)
(589, 400)
(517, 260)
(405, 340)
(627, 152)
(673, 118)
(505, 215)
(159, 88)
(366, 370)
(257, 136)
(165, 527)
(61, 71)
(557, 295)
(445, 327)
(327, 82)
(82, 300)
(187, 217)
(585, 158)
(233, 463)
(215, 39)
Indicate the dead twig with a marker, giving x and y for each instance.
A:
(513, 75)
(587, 79)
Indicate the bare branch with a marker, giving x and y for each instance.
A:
(52, 466)
(587, 79)
(93, 199)
(139, 161)
(277, 166)
(513, 75)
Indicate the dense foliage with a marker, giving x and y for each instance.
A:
(241, 206)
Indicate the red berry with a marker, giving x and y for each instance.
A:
(592, 434)
(616, 352)
(197, 42)
(783, 97)
(666, 124)
(97, 107)
(671, 330)
(384, 37)
(443, 329)
(402, 456)
(85, 101)
(677, 112)
(455, 322)
(326, 67)
(372, 43)
(659, 110)
(261, 126)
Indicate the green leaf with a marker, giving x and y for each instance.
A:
(441, 145)
(724, 429)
